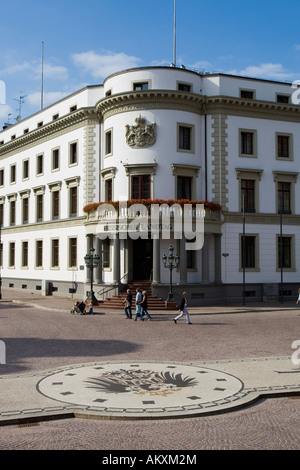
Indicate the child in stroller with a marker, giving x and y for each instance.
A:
(79, 308)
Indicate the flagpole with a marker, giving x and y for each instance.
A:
(174, 59)
(42, 78)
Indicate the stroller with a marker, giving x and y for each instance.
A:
(79, 308)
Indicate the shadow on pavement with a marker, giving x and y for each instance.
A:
(20, 350)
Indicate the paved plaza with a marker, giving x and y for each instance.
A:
(227, 381)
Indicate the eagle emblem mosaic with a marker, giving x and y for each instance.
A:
(141, 388)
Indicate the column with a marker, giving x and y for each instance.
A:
(156, 261)
(116, 260)
(205, 259)
(98, 276)
(218, 258)
(183, 261)
(89, 244)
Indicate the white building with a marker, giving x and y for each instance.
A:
(155, 133)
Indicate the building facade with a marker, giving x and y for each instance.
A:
(155, 135)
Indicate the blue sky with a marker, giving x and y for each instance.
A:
(85, 41)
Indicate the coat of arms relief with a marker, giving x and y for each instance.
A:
(141, 135)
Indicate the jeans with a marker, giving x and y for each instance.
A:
(138, 312)
(144, 312)
(128, 312)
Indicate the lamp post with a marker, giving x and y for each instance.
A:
(91, 262)
(170, 262)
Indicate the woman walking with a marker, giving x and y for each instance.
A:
(144, 305)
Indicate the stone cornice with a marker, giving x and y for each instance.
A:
(46, 225)
(261, 218)
(150, 99)
(199, 104)
(49, 129)
(252, 108)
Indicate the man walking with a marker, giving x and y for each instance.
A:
(183, 310)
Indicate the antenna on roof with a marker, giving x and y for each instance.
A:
(21, 101)
(42, 78)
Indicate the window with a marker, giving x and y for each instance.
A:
(25, 210)
(1, 254)
(25, 169)
(185, 180)
(55, 159)
(24, 258)
(55, 253)
(39, 207)
(40, 164)
(283, 98)
(2, 177)
(140, 187)
(248, 252)
(140, 86)
(247, 94)
(73, 153)
(185, 138)
(55, 204)
(284, 146)
(39, 254)
(184, 187)
(248, 194)
(247, 147)
(106, 253)
(285, 182)
(284, 197)
(72, 252)
(13, 173)
(12, 212)
(73, 201)
(108, 142)
(72, 185)
(184, 87)
(1, 214)
(108, 190)
(284, 250)
(11, 255)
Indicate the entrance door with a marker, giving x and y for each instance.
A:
(142, 259)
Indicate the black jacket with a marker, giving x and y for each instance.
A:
(182, 303)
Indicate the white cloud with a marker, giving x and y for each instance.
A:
(34, 99)
(202, 65)
(34, 69)
(102, 65)
(5, 111)
(297, 47)
(268, 71)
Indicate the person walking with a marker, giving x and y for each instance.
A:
(298, 300)
(127, 304)
(138, 309)
(183, 310)
(144, 305)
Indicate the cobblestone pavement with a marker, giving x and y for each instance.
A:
(44, 335)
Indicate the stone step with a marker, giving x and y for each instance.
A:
(116, 301)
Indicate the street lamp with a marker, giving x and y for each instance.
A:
(91, 262)
(171, 262)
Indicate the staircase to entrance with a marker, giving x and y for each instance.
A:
(116, 301)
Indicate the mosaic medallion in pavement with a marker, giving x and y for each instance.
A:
(141, 387)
